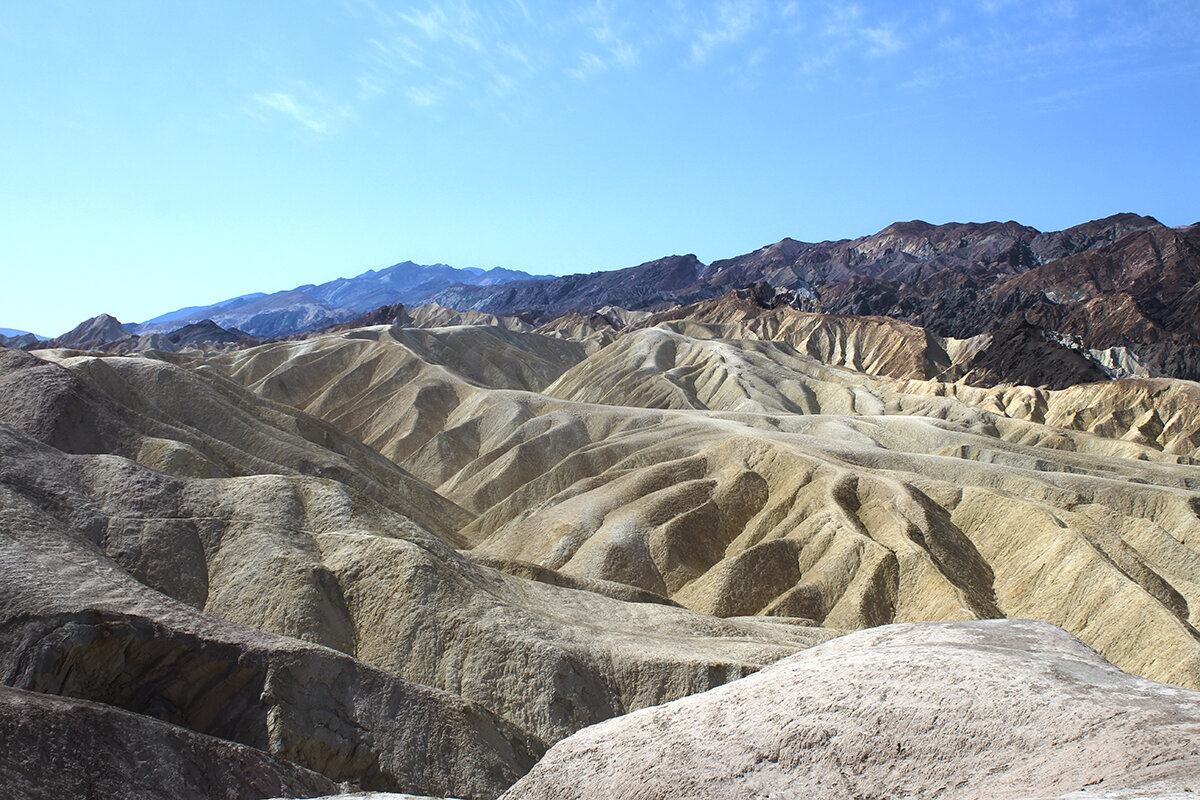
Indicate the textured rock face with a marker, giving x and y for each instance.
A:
(744, 477)
(56, 747)
(411, 559)
(1125, 282)
(104, 567)
(1010, 709)
(119, 584)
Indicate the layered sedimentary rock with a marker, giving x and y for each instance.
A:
(1011, 709)
(413, 558)
(1016, 352)
(196, 423)
(106, 568)
(121, 584)
(594, 330)
(392, 387)
(872, 345)
(744, 477)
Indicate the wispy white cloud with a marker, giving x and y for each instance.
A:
(850, 28)
(882, 39)
(729, 23)
(455, 22)
(842, 19)
(520, 6)
(995, 6)
(444, 54)
(430, 53)
(370, 8)
(589, 64)
(423, 97)
(396, 53)
(514, 52)
(312, 112)
(607, 42)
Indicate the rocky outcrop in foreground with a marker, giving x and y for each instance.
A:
(1003, 709)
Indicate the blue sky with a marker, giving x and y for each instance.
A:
(161, 154)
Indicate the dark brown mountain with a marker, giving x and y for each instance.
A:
(392, 314)
(23, 340)
(1025, 354)
(654, 285)
(918, 252)
(90, 334)
(903, 254)
(1125, 281)
(1143, 288)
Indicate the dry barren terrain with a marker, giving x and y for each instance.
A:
(416, 557)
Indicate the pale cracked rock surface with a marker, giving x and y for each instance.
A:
(1000, 709)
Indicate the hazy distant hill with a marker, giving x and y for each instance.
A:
(14, 337)
(314, 306)
(106, 333)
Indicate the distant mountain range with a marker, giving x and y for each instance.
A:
(852, 275)
(314, 306)
(13, 337)
(1126, 284)
(1123, 289)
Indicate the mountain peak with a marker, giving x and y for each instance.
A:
(100, 329)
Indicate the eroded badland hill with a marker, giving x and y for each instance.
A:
(735, 545)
